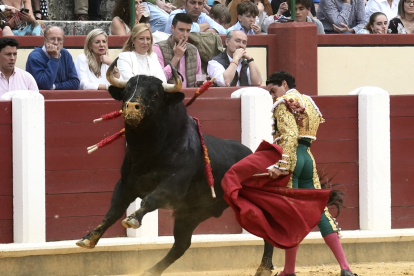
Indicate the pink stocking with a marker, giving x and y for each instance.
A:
(332, 240)
(290, 261)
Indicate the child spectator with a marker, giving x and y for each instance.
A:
(377, 24)
(220, 13)
(303, 9)
(264, 7)
(246, 15)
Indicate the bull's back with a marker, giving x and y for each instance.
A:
(224, 153)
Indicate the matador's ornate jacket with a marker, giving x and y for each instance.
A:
(295, 116)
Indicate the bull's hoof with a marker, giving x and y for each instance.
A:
(131, 223)
(85, 244)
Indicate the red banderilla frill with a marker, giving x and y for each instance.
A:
(109, 116)
(206, 85)
(107, 141)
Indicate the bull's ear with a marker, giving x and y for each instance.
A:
(116, 93)
(174, 98)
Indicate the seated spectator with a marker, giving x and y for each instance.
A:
(282, 5)
(52, 65)
(91, 66)
(377, 24)
(121, 20)
(137, 57)
(264, 7)
(220, 13)
(342, 16)
(201, 21)
(18, 18)
(246, 15)
(303, 8)
(11, 77)
(388, 7)
(234, 66)
(404, 22)
(182, 55)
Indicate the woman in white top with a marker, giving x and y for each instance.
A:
(137, 57)
(93, 64)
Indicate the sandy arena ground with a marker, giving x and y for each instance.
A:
(362, 269)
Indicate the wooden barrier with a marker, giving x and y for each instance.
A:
(6, 173)
(336, 152)
(402, 161)
(79, 186)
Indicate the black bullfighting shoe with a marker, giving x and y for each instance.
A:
(289, 274)
(345, 272)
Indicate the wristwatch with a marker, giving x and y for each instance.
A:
(249, 60)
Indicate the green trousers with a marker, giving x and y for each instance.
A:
(302, 178)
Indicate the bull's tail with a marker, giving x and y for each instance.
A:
(336, 199)
(335, 196)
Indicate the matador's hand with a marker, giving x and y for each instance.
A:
(276, 173)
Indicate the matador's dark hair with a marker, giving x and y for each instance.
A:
(280, 76)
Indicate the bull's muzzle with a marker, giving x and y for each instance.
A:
(133, 113)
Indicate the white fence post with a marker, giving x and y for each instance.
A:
(149, 227)
(256, 105)
(29, 204)
(374, 158)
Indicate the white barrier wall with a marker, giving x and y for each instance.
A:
(374, 158)
(29, 203)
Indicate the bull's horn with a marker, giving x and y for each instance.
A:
(178, 84)
(111, 78)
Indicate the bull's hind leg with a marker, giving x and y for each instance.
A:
(183, 230)
(266, 266)
(121, 199)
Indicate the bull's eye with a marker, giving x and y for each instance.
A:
(126, 105)
(155, 96)
(136, 106)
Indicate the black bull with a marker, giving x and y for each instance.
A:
(164, 166)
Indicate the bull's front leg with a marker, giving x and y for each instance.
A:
(168, 195)
(121, 199)
(266, 266)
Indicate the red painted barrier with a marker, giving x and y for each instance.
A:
(6, 173)
(79, 186)
(402, 161)
(336, 152)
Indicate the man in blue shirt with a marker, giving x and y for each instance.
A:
(201, 21)
(52, 65)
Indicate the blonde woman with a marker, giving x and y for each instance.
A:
(93, 64)
(137, 57)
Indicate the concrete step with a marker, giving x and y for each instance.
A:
(79, 27)
(115, 256)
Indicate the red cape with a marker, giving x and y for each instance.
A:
(265, 207)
